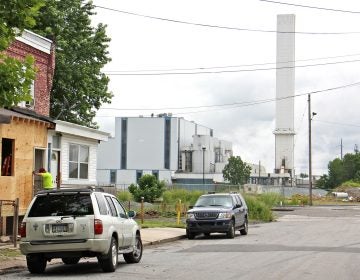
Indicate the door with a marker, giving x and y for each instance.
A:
(39, 162)
(55, 167)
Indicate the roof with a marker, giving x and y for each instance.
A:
(6, 115)
(79, 130)
(36, 41)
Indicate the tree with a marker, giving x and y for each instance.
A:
(79, 87)
(16, 76)
(336, 173)
(236, 171)
(323, 182)
(149, 187)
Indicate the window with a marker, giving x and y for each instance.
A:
(7, 157)
(78, 161)
(120, 209)
(139, 173)
(156, 174)
(188, 161)
(31, 104)
(123, 143)
(101, 203)
(56, 141)
(112, 176)
(111, 205)
(218, 157)
(167, 143)
(61, 205)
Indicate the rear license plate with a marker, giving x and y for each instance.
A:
(60, 228)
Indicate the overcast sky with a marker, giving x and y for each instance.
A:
(141, 43)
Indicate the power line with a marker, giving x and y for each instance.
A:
(234, 104)
(228, 66)
(229, 71)
(223, 27)
(311, 7)
(336, 123)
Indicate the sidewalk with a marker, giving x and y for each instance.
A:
(150, 236)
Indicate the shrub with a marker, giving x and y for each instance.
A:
(125, 196)
(187, 197)
(299, 199)
(149, 187)
(258, 210)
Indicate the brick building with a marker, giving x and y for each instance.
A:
(42, 50)
(24, 129)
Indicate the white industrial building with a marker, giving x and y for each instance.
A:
(173, 149)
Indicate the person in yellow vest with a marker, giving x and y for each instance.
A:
(47, 182)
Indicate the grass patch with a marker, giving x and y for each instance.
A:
(161, 223)
(9, 253)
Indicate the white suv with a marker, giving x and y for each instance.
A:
(75, 223)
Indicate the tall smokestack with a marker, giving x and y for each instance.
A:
(285, 87)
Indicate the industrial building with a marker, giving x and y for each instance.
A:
(171, 148)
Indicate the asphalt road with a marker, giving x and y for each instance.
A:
(308, 243)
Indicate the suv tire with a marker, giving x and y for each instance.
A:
(36, 263)
(231, 233)
(70, 260)
(109, 261)
(135, 256)
(190, 235)
(245, 229)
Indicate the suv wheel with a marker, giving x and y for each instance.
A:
(231, 233)
(245, 229)
(135, 256)
(70, 260)
(109, 261)
(190, 235)
(36, 263)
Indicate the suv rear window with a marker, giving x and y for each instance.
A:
(62, 205)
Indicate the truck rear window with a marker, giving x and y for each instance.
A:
(62, 205)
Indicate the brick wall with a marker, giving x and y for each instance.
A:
(45, 65)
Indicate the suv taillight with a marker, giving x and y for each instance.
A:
(98, 226)
(22, 229)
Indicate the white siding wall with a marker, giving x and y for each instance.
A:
(66, 140)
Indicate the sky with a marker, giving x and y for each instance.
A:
(235, 44)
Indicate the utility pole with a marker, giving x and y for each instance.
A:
(259, 172)
(341, 149)
(310, 167)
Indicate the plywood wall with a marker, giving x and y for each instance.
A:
(27, 135)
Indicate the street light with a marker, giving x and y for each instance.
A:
(310, 116)
(203, 162)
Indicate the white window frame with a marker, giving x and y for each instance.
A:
(78, 162)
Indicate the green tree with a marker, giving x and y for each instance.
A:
(149, 187)
(16, 76)
(351, 165)
(236, 171)
(336, 173)
(79, 87)
(323, 182)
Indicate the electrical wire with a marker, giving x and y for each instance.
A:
(224, 27)
(336, 123)
(234, 104)
(230, 71)
(228, 66)
(311, 7)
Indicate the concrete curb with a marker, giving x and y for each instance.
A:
(161, 241)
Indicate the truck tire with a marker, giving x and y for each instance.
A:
(36, 263)
(108, 262)
(135, 256)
